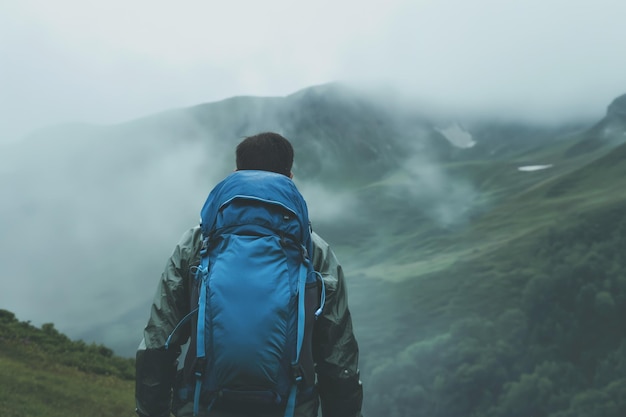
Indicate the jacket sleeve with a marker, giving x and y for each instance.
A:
(156, 366)
(335, 348)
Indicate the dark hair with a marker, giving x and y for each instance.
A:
(266, 152)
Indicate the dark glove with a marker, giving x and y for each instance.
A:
(155, 371)
(341, 397)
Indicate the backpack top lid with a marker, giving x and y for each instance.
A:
(265, 186)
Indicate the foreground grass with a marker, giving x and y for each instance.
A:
(35, 383)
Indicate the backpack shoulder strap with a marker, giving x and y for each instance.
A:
(202, 276)
(291, 402)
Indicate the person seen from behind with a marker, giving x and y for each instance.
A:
(325, 368)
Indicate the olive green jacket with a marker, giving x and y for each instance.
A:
(335, 348)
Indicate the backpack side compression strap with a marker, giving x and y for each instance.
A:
(203, 274)
(291, 402)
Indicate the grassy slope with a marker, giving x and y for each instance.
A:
(417, 246)
(34, 382)
(32, 390)
(444, 275)
(501, 240)
(526, 226)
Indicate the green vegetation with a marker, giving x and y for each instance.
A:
(545, 339)
(521, 313)
(45, 374)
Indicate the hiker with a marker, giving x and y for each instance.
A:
(321, 357)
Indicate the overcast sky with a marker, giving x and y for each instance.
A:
(111, 61)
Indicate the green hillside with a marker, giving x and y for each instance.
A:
(45, 374)
(521, 313)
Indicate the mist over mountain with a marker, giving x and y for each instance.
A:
(414, 204)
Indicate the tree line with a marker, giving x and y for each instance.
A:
(558, 350)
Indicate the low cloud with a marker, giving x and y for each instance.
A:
(328, 206)
(85, 236)
(445, 199)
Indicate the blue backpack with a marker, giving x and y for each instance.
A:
(257, 297)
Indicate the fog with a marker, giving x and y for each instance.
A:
(106, 63)
(86, 229)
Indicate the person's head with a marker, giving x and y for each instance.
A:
(266, 152)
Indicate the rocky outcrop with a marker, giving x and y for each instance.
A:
(617, 108)
(609, 131)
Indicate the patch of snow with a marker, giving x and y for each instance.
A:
(457, 136)
(529, 168)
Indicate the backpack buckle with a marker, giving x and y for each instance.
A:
(297, 373)
(199, 368)
(205, 246)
